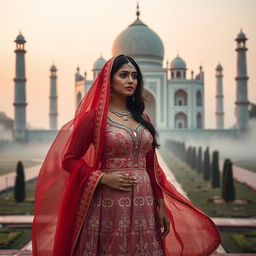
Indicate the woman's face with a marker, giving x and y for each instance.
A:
(124, 81)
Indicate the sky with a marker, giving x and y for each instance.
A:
(71, 33)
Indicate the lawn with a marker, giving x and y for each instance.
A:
(200, 192)
(14, 238)
(238, 240)
(250, 165)
(8, 206)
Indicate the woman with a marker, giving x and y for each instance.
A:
(114, 198)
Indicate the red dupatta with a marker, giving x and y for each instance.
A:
(62, 199)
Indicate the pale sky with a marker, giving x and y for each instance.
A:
(75, 32)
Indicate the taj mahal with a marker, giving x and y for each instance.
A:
(174, 99)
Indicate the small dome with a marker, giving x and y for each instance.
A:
(219, 67)
(178, 63)
(241, 36)
(20, 39)
(99, 63)
(53, 68)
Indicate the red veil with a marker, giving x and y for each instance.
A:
(62, 198)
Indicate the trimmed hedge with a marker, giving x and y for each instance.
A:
(228, 189)
(7, 238)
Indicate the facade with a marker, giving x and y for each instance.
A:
(172, 100)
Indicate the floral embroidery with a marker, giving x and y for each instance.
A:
(122, 223)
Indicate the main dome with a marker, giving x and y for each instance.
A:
(141, 43)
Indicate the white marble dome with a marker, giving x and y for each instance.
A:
(178, 63)
(141, 43)
(99, 63)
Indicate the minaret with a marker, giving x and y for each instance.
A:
(219, 98)
(53, 114)
(19, 133)
(241, 110)
(138, 11)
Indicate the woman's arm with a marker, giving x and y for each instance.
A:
(163, 220)
(79, 142)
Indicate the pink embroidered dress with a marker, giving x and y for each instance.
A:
(118, 222)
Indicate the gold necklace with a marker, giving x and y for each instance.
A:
(123, 114)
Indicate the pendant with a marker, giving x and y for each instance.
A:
(125, 118)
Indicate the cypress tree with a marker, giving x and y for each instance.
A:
(206, 170)
(183, 149)
(215, 170)
(199, 161)
(228, 189)
(19, 187)
(193, 158)
(189, 156)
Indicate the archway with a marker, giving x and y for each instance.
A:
(180, 98)
(198, 98)
(150, 104)
(180, 121)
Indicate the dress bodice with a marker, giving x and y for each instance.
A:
(125, 148)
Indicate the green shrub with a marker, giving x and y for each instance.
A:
(243, 243)
(7, 238)
(206, 170)
(199, 164)
(19, 188)
(215, 177)
(227, 189)
(193, 158)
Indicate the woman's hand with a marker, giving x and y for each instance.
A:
(163, 220)
(118, 181)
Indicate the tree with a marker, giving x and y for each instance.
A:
(199, 164)
(189, 156)
(215, 170)
(19, 188)
(193, 158)
(206, 170)
(228, 189)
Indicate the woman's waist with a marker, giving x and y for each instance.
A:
(123, 163)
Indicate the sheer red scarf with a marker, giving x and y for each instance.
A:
(62, 199)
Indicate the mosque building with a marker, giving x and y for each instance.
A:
(174, 100)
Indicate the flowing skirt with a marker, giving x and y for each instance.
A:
(122, 223)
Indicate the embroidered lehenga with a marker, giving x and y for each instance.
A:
(123, 223)
(75, 215)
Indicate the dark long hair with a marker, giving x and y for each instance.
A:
(135, 103)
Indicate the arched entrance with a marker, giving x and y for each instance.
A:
(180, 98)
(180, 120)
(150, 105)
(198, 98)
